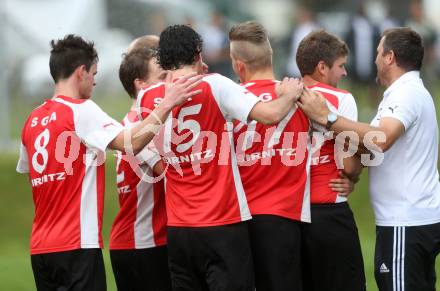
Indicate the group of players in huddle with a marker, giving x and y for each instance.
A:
(253, 195)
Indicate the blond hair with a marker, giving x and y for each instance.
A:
(150, 41)
(250, 44)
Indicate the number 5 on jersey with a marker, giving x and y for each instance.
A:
(189, 124)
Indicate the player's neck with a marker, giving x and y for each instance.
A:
(266, 74)
(392, 76)
(185, 70)
(66, 88)
(310, 81)
(133, 104)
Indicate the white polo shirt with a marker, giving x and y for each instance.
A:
(405, 188)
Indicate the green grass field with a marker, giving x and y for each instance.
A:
(16, 213)
(16, 206)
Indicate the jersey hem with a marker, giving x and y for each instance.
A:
(407, 223)
(327, 202)
(139, 246)
(281, 214)
(63, 249)
(213, 223)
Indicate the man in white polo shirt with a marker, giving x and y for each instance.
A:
(405, 188)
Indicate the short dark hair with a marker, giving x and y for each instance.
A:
(134, 66)
(179, 45)
(407, 46)
(69, 53)
(319, 46)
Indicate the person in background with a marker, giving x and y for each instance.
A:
(419, 22)
(215, 43)
(305, 23)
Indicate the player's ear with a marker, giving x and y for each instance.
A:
(321, 68)
(390, 57)
(139, 84)
(198, 57)
(80, 71)
(241, 66)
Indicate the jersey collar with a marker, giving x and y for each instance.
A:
(70, 99)
(405, 78)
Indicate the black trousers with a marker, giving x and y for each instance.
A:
(76, 270)
(276, 251)
(331, 250)
(216, 258)
(141, 269)
(405, 257)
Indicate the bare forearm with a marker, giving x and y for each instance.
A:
(315, 106)
(288, 92)
(271, 112)
(367, 135)
(135, 139)
(278, 110)
(144, 132)
(344, 124)
(176, 93)
(353, 168)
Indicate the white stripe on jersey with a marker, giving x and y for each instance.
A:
(141, 94)
(242, 201)
(275, 138)
(306, 216)
(143, 226)
(338, 94)
(168, 134)
(23, 163)
(89, 203)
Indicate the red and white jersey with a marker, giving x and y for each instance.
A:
(141, 220)
(323, 162)
(203, 182)
(273, 160)
(63, 150)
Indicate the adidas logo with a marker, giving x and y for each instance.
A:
(383, 268)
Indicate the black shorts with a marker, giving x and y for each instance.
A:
(331, 251)
(80, 270)
(210, 258)
(141, 269)
(276, 251)
(405, 257)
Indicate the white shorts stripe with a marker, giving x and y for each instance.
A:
(399, 259)
(403, 260)
(399, 252)
(394, 258)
